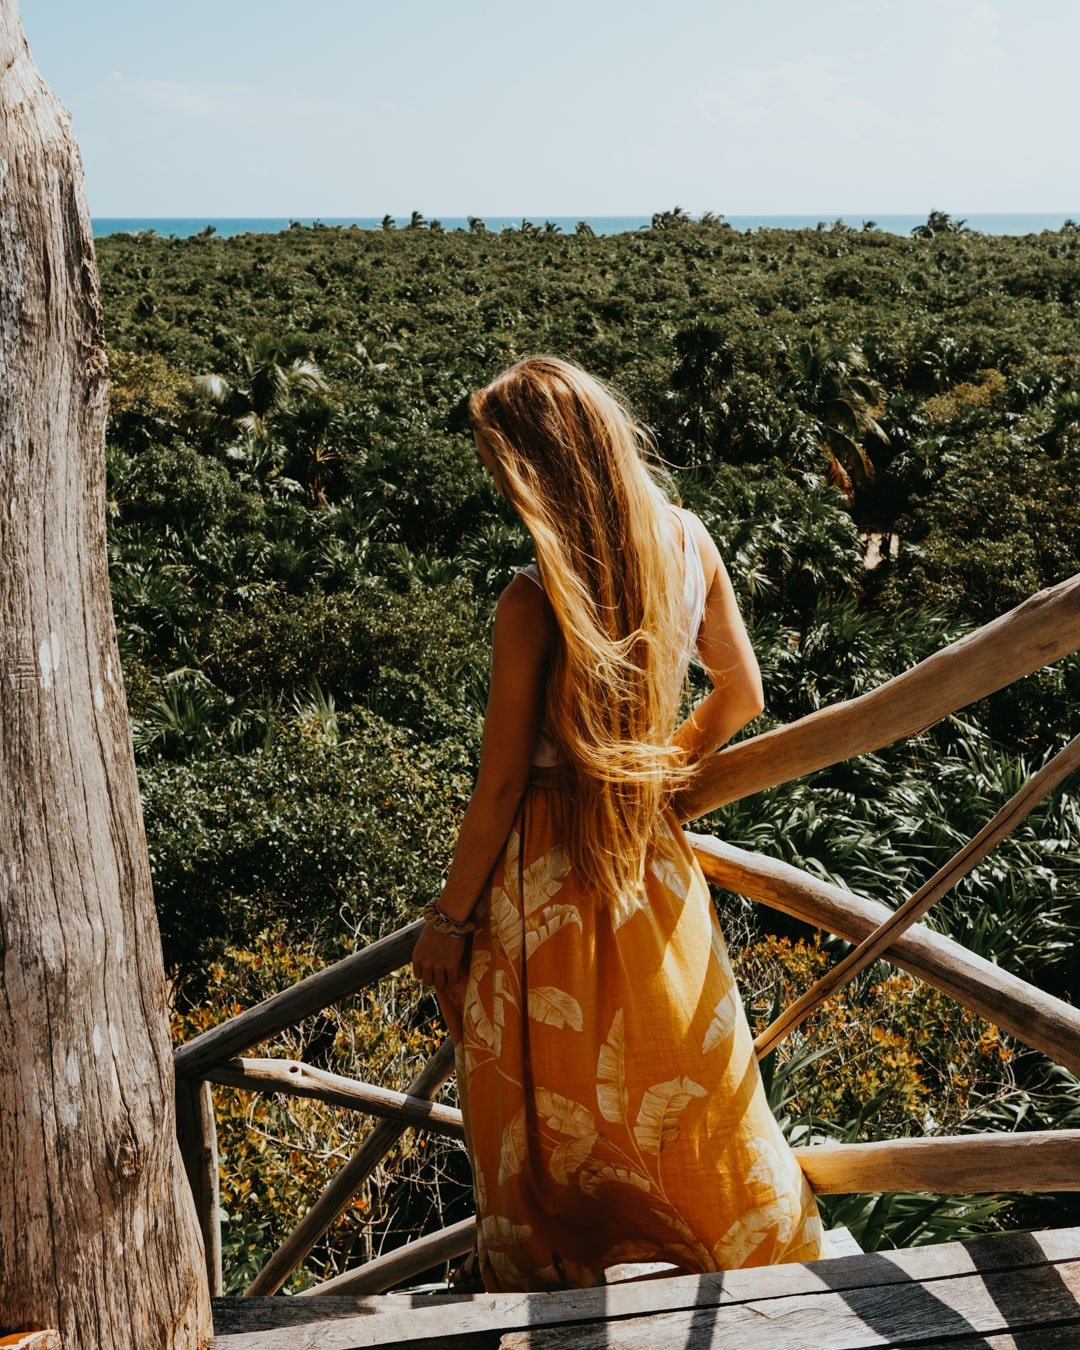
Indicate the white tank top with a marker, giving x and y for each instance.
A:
(546, 751)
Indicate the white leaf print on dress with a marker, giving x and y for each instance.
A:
(497, 1231)
(776, 1169)
(611, 1094)
(514, 1146)
(478, 1027)
(771, 1223)
(657, 1122)
(723, 1021)
(568, 1156)
(507, 923)
(626, 904)
(560, 1113)
(547, 923)
(478, 967)
(595, 1175)
(510, 867)
(671, 874)
(503, 995)
(507, 1272)
(543, 878)
(554, 1007)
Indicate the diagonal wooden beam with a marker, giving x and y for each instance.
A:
(1019, 805)
(1037, 1019)
(1041, 630)
(305, 1080)
(402, 1263)
(344, 1184)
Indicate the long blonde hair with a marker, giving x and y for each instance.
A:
(585, 480)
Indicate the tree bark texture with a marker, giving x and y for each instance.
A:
(98, 1232)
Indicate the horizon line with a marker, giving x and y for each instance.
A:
(563, 215)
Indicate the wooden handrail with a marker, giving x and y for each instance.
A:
(1019, 805)
(305, 1080)
(1041, 630)
(402, 1263)
(1036, 1018)
(948, 1164)
(344, 1184)
(212, 1048)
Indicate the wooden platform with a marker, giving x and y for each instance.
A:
(1009, 1290)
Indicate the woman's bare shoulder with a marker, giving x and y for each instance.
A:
(524, 599)
(711, 561)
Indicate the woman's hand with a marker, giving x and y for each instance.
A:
(439, 961)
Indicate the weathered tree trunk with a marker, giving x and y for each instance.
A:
(98, 1233)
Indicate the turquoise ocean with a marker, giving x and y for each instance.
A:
(184, 226)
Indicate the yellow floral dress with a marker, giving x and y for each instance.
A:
(613, 1105)
(614, 1109)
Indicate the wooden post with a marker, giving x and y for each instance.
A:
(196, 1129)
(98, 1233)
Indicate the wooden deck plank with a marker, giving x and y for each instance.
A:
(1063, 1337)
(480, 1320)
(1031, 1298)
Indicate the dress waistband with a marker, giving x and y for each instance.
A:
(550, 775)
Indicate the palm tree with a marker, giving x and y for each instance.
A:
(416, 221)
(584, 230)
(666, 220)
(830, 381)
(940, 222)
(389, 223)
(267, 376)
(476, 225)
(705, 361)
(277, 399)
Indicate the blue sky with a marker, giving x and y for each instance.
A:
(567, 107)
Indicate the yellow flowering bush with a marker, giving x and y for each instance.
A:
(936, 1060)
(964, 397)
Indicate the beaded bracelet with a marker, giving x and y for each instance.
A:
(443, 923)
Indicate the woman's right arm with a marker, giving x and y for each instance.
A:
(724, 647)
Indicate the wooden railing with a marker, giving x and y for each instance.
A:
(1036, 633)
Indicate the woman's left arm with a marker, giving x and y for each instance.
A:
(524, 634)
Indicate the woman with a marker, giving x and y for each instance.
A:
(613, 1106)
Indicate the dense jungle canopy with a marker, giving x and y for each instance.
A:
(881, 433)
